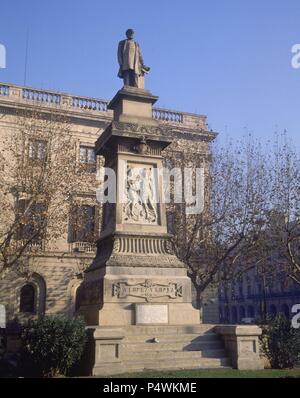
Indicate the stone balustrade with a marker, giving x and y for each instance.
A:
(82, 247)
(40, 96)
(168, 115)
(89, 103)
(47, 98)
(34, 246)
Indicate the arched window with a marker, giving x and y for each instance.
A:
(78, 298)
(242, 313)
(249, 287)
(258, 311)
(221, 315)
(27, 299)
(285, 310)
(226, 315)
(250, 311)
(234, 315)
(272, 310)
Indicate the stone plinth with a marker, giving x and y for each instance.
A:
(242, 344)
(133, 105)
(103, 353)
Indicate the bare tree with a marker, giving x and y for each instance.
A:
(226, 235)
(284, 216)
(38, 177)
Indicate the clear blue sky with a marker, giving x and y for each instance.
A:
(228, 59)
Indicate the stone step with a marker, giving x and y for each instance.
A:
(166, 355)
(172, 346)
(191, 337)
(169, 329)
(175, 364)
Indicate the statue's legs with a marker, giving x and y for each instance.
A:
(130, 78)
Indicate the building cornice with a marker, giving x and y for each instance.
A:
(90, 111)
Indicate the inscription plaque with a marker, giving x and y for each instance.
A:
(147, 290)
(146, 314)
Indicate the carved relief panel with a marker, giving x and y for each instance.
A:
(140, 204)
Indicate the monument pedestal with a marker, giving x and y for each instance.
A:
(126, 296)
(135, 262)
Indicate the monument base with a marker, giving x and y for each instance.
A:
(115, 350)
(123, 296)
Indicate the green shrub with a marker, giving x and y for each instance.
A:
(51, 345)
(280, 342)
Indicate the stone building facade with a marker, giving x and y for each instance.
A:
(56, 272)
(254, 293)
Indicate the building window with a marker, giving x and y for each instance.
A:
(234, 315)
(272, 310)
(170, 222)
(37, 150)
(233, 291)
(241, 291)
(87, 155)
(260, 290)
(249, 290)
(250, 311)
(83, 224)
(31, 224)
(226, 315)
(242, 313)
(221, 291)
(221, 319)
(285, 310)
(27, 299)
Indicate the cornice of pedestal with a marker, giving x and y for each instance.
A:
(134, 94)
(163, 133)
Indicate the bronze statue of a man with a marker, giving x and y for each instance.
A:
(132, 67)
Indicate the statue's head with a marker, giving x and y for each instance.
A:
(129, 33)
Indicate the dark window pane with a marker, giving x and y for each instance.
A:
(83, 223)
(33, 222)
(27, 299)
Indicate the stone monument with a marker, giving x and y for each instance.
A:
(136, 277)
(136, 282)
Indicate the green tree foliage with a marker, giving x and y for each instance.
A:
(280, 342)
(52, 344)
